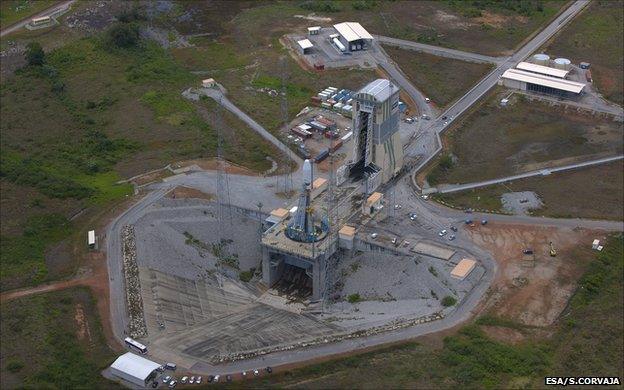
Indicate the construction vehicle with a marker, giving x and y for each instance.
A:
(553, 252)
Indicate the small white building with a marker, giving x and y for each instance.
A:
(314, 30)
(373, 203)
(134, 369)
(305, 45)
(209, 83)
(91, 238)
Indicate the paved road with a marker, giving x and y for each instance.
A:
(448, 188)
(439, 51)
(25, 21)
(114, 261)
(434, 129)
(436, 214)
(220, 98)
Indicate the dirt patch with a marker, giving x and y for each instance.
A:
(82, 331)
(494, 20)
(59, 259)
(533, 295)
(187, 192)
(152, 177)
(503, 334)
(211, 164)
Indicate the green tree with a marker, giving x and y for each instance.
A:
(124, 34)
(35, 54)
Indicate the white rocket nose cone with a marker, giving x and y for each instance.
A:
(307, 171)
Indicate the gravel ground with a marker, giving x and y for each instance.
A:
(520, 202)
(394, 287)
(162, 244)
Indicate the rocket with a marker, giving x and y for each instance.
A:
(307, 174)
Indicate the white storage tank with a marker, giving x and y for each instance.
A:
(562, 63)
(541, 59)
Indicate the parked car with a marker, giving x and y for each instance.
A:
(451, 237)
(527, 251)
(244, 374)
(484, 222)
(413, 216)
(228, 378)
(198, 380)
(444, 118)
(216, 378)
(256, 372)
(468, 221)
(173, 384)
(397, 206)
(427, 99)
(184, 379)
(425, 197)
(395, 241)
(171, 366)
(166, 379)
(453, 228)
(161, 369)
(374, 235)
(442, 233)
(192, 380)
(269, 370)
(154, 384)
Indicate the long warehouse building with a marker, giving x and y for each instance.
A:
(527, 81)
(541, 69)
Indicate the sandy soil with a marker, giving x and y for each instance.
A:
(535, 295)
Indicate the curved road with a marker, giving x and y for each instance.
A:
(437, 214)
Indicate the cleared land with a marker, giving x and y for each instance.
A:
(496, 352)
(441, 79)
(586, 193)
(494, 141)
(596, 36)
(53, 340)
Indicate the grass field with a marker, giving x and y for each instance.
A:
(87, 118)
(487, 27)
(594, 193)
(12, 11)
(53, 340)
(468, 358)
(441, 79)
(494, 141)
(596, 36)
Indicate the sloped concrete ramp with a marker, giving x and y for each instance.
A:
(437, 251)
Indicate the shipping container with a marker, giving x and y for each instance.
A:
(332, 89)
(318, 126)
(326, 105)
(321, 156)
(347, 136)
(337, 145)
(301, 132)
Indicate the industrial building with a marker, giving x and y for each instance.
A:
(544, 70)
(134, 369)
(378, 151)
(305, 46)
(535, 82)
(352, 36)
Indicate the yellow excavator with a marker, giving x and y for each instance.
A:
(553, 252)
